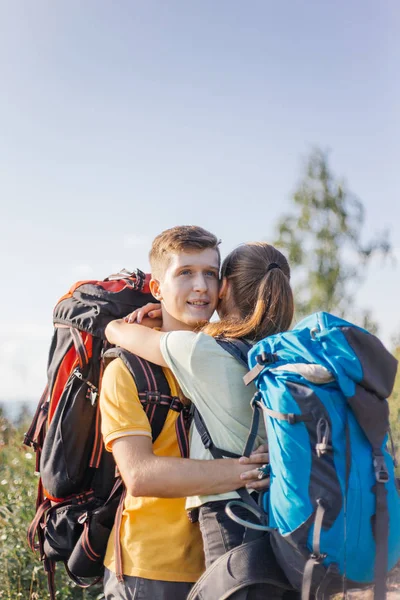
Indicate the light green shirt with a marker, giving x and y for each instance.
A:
(213, 380)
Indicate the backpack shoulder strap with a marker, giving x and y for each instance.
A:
(154, 394)
(237, 348)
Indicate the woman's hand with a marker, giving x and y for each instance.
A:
(151, 310)
(257, 477)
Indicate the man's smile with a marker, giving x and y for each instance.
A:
(198, 302)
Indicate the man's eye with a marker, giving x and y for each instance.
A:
(185, 272)
(211, 274)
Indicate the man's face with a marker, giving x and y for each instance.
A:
(188, 289)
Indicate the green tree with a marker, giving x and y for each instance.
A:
(322, 239)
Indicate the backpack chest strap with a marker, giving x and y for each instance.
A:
(152, 398)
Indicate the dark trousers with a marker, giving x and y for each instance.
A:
(137, 588)
(221, 534)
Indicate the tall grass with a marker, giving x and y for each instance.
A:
(22, 575)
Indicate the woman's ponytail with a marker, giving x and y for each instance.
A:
(259, 277)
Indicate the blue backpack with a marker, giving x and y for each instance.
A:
(333, 506)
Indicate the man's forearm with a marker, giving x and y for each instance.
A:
(168, 477)
(146, 474)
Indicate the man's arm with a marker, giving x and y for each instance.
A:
(138, 339)
(127, 433)
(146, 474)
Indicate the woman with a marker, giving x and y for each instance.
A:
(256, 301)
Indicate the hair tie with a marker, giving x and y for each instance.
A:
(272, 266)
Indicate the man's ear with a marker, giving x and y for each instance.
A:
(155, 289)
(223, 288)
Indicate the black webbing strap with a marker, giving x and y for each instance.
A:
(381, 525)
(236, 348)
(255, 421)
(316, 557)
(207, 440)
(219, 453)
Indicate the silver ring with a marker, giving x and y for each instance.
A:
(263, 471)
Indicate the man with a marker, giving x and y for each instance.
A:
(162, 551)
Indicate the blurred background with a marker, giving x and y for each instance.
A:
(262, 120)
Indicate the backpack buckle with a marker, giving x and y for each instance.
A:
(318, 557)
(153, 397)
(205, 438)
(83, 518)
(255, 401)
(266, 358)
(381, 472)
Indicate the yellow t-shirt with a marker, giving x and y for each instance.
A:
(158, 541)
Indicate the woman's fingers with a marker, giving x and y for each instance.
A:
(256, 474)
(151, 310)
(258, 478)
(131, 318)
(255, 459)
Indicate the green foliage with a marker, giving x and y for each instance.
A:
(21, 573)
(322, 239)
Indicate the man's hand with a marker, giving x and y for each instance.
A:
(151, 310)
(256, 478)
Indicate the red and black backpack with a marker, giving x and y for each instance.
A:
(80, 494)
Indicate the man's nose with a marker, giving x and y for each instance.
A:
(200, 283)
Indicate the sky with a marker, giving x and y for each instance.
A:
(121, 119)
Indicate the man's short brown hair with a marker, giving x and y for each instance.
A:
(183, 238)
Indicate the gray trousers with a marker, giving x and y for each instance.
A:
(137, 588)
